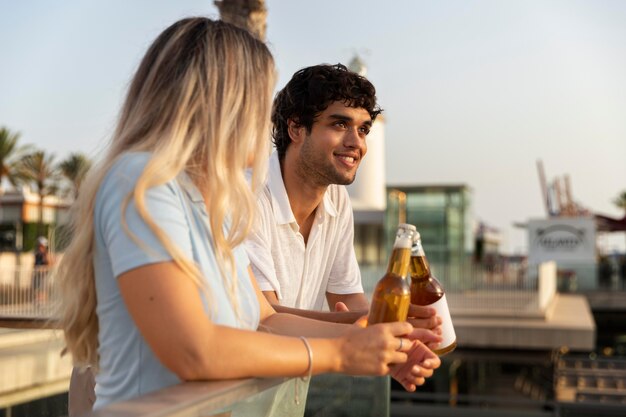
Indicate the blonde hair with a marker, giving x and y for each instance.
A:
(200, 103)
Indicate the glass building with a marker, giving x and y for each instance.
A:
(442, 214)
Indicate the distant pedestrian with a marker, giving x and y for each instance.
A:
(604, 272)
(479, 243)
(43, 261)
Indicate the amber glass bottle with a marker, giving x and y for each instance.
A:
(426, 290)
(392, 295)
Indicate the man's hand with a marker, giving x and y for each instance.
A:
(341, 307)
(420, 364)
(423, 317)
(360, 322)
(426, 325)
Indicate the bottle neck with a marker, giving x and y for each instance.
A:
(400, 262)
(420, 269)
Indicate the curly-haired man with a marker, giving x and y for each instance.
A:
(302, 250)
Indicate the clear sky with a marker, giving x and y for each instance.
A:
(474, 92)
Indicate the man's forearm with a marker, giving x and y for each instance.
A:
(287, 324)
(348, 317)
(352, 302)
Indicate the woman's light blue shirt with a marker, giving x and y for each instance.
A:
(128, 367)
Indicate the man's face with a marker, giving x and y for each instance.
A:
(332, 151)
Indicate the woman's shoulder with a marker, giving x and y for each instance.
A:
(127, 166)
(123, 174)
(120, 179)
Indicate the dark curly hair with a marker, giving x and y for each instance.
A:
(310, 91)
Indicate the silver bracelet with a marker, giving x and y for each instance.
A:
(309, 370)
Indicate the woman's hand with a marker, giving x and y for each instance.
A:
(431, 338)
(420, 365)
(370, 350)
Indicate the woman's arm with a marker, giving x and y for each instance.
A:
(167, 309)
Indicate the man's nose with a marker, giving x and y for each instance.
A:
(354, 140)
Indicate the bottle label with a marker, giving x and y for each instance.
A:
(448, 334)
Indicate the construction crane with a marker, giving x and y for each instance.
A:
(557, 196)
(571, 208)
(544, 187)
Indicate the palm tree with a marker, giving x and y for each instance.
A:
(74, 169)
(38, 169)
(247, 14)
(10, 153)
(620, 201)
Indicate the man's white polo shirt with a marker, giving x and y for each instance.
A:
(302, 274)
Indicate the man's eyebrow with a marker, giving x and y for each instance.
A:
(338, 116)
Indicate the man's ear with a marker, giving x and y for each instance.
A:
(296, 131)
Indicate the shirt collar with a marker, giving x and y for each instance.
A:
(280, 200)
(329, 206)
(281, 207)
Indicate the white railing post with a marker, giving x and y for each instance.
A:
(547, 284)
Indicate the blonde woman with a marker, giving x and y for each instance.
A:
(156, 287)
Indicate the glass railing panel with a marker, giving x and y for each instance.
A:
(340, 395)
(267, 397)
(286, 399)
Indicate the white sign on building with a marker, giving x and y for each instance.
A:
(562, 239)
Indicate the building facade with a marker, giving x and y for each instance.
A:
(19, 218)
(442, 214)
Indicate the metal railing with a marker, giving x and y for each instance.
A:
(26, 293)
(584, 380)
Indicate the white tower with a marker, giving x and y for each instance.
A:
(367, 192)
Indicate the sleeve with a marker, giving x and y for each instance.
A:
(345, 275)
(164, 204)
(259, 249)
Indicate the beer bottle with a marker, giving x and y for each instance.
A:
(392, 295)
(426, 290)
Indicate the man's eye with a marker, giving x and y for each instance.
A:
(364, 130)
(341, 123)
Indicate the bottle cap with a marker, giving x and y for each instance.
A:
(405, 236)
